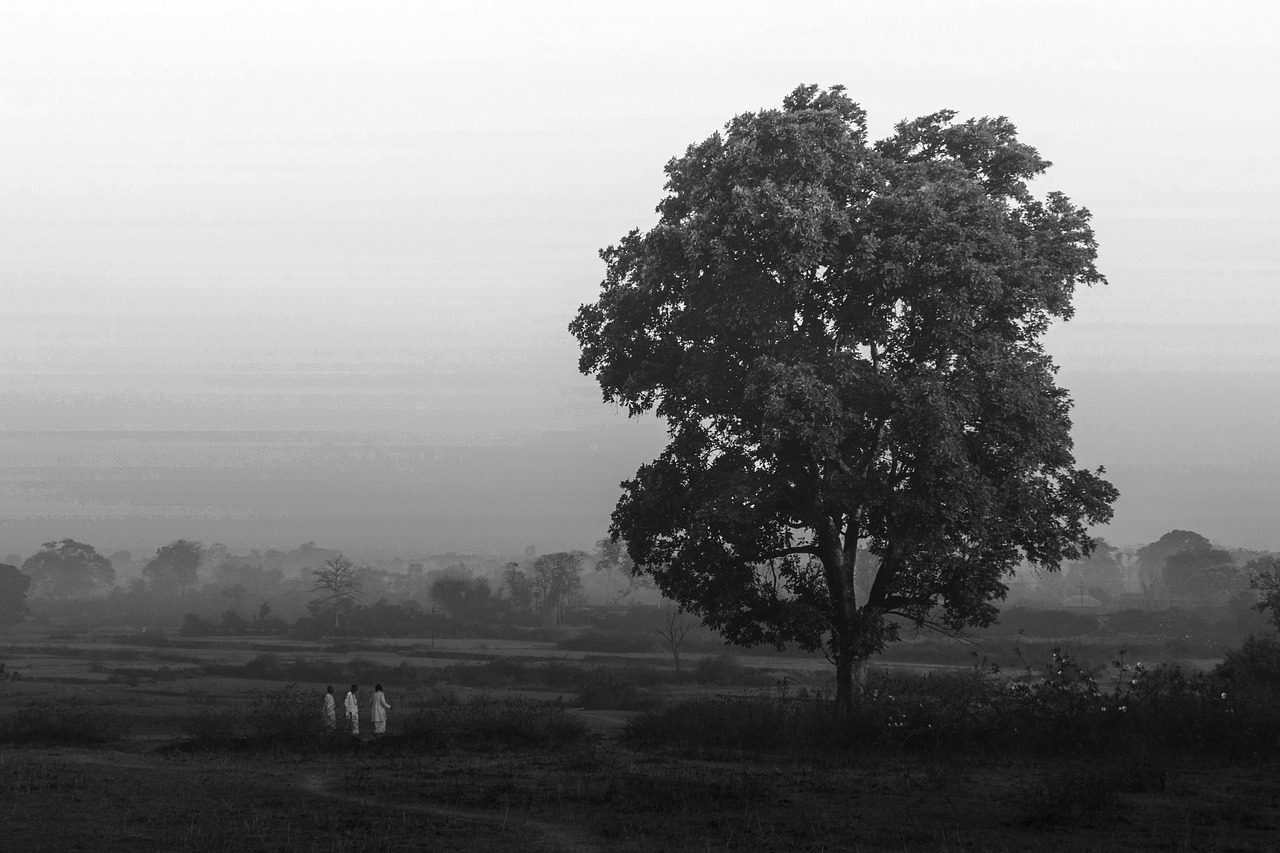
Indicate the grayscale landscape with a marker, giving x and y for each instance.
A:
(839, 426)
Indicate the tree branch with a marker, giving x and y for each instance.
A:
(786, 552)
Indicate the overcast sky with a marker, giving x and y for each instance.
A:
(276, 272)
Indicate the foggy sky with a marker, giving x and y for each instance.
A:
(279, 272)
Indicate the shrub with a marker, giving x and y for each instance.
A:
(215, 727)
(743, 723)
(500, 672)
(561, 676)
(726, 670)
(611, 642)
(1064, 709)
(58, 722)
(194, 626)
(288, 715)
(153, 640)
(608, 689)
(1043, 623)
(1257, 660)
(486, 722)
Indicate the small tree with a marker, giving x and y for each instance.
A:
(338, 586)
(674, 628)
(556, 582)
(519, 587)
(1265, 580)
(614, 559)
(13, 595)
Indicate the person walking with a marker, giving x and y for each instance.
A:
(378, 710)
(352, 706)
(330, 712)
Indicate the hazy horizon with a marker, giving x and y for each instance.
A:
(289, 272)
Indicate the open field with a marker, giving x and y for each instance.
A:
(600, 796)
(472, 764)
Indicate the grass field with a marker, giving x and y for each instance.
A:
(136, 748)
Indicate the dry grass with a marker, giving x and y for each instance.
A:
(511, 774)
(603, 797)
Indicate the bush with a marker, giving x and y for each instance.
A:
(57, 722)
(607, 689)
(1066, 709)
(194, 626)
(1043, 623)
(500, 672)
(748, 723)
(1139, 622)
(611, 642)
(485, 722)
(288, 715)
(727, 671)
(215, 727)
(154, 641)
(1256, 661)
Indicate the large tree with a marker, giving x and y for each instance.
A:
(68, 569)
(338, 586)
(13, 595)
(844, 340)
(174, 568)
(1206, 576)
(1151, 558)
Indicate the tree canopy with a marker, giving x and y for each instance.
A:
(1264, 579)
(556, 581)
(174, 567)
(68, 569)
(844, 340)
(13, 595)
(465, 598)
(1153, 556)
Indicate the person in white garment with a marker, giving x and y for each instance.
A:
(330, 715)
(352, 706)
(378, 710)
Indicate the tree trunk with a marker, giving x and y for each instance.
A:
(844, 689)
(851, 679)
(838, 569)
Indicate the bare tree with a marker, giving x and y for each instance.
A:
(675, 626)
(337, 581)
